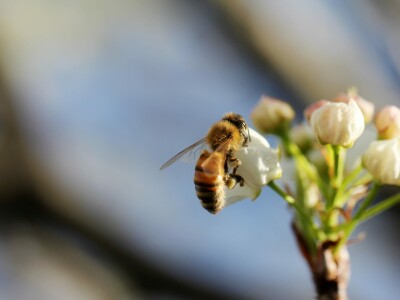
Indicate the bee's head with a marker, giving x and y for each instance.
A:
(240, 123)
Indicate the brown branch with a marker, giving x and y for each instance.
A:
(330, 270)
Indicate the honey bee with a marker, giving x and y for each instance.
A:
(212, 171)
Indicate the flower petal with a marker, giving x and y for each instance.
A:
(382, 160)
(259, 165)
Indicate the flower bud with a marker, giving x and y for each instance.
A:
(387, 122)
(338, 124)
(303, 137)
(367, 108)
(312, 195)
(271, 115)
(259, 166)
(382, 160)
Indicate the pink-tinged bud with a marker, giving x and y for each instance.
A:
(387, 122)
(367, 108)
(311, 108)
(338, 124)
(382, 160)
(271, 115)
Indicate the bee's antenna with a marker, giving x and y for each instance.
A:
(248, 134)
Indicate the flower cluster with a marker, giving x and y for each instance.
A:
(331, 173)
(331, 196)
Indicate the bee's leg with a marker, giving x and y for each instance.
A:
(237, 178)
(232, 178)
(235, 164)
(246, 140)
(230, 181)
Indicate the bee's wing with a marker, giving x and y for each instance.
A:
(222, 148)
(187, 152)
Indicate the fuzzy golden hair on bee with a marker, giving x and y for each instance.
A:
(221, 132)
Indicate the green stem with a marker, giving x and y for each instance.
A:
(352, 175)
(340, 156)
(330, 160)
(309, 234)
(285, 196)
(346, 190)
(368, 200)
(380, 207)
(302, 163)
(365, 179)
(356, 219)
(306, 173)
(347, 232)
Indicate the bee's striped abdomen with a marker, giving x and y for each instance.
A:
(208, 180)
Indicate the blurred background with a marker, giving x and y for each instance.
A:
(96, 95)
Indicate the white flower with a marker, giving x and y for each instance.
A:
(387, 122)
(382, 160)
(338, 124)
(270, 115)
(260, 165)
